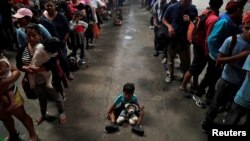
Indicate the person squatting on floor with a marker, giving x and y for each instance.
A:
(116, 110)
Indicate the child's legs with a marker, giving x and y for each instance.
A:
(115, 113)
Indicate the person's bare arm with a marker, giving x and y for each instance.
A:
(171, 30)
(223, 59)
(110, 110)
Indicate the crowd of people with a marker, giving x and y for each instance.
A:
(42, 32)
(49, 28)
(220, 42)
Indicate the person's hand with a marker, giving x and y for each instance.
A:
(27, 69)
(171, 31)
(34, 69)
(186, 18)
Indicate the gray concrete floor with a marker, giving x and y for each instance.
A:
(122, 54)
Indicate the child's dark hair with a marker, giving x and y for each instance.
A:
(129, 88)
(215, 4)
(34, 26)
(52, 44)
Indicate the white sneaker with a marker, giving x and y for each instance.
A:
(199, 102)
(151, 27)
(164, 61)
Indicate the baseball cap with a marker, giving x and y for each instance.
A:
(22, 12)
(246, 17)
(234, 4)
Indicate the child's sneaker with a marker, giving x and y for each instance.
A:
(138, 129)
(113, 127)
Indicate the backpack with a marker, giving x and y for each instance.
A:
(73, 63)
(197, 26)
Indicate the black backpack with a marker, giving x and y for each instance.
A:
(197, 26)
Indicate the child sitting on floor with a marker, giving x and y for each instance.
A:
(119, 105)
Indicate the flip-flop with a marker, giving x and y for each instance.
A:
(39, 120)
(62, 118)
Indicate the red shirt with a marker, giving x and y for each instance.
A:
(210, 21)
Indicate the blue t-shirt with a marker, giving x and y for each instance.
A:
(22, 37)
(233, 71)
(121, 101)
(243, 95)
(222, 29)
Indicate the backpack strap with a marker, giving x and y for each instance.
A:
(232, 44)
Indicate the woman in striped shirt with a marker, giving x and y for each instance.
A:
(23, 60)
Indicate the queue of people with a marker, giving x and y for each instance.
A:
(71, 24)
(43, 33)
(222, 44)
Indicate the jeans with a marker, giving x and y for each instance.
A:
(224, 94)
(43, 93)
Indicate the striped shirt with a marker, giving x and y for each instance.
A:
(26, 60)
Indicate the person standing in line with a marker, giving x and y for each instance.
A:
(176, 19)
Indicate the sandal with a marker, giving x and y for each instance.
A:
(34, 139)
(183, 89)
(39, 120)
(62, 118)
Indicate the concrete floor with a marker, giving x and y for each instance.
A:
(122, 54)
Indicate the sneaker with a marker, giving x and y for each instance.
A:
(12, 138)
(70, 76)
(205, 126)
(91, 44)
(63, 96)
(165, 66)
(156, 54)
(193, 89)
(111, 128)
(82, 61)
(151, 27)
(199, 102)
(164, 61)
(169, 78)
(184, 92)
(138, 129)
